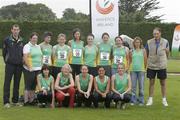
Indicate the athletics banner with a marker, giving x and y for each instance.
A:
(104, 18)
(176, 43)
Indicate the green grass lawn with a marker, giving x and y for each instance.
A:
(173, 65)
(155, 112)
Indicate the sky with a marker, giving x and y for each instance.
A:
(170, 8)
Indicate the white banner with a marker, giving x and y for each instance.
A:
(176, 42)
(104, 18)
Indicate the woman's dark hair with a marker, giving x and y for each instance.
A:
(47, 34)
(76, 30)
(100, 67)
(104, 35)
(117, 38)
(141, 42)
(34, 34)
(83, 66)
(45, 67)
(90, 34)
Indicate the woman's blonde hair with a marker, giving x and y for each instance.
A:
(61, 35)
(141, 42)
(68, 66)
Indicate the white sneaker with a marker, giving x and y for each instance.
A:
(123, 106)
(164, 102)
(17, 104)
(149, 102)
(7, 105)
(132, 104)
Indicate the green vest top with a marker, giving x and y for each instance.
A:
(47, 53)
(35, 56)
(90, 56)
(61, 55)
(104, 54)
(121, 84)
(137, 61)
(77, 51)
(102, 86)
(64, 81)
(119, 56)
(45, 83)
(84, 84)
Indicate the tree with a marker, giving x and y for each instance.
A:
(69, 14)
(138, 11)
(27, 12)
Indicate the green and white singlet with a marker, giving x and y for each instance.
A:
(84, 84)
(121, 84)
(102, 86)
(61, 55)
(77, 51)
(64, 80)
(137, 61)
(104, 54)
(119, 56)
(45, 83)
(34, 56)
(47, 53)
(90, 56)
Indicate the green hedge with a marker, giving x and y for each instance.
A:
(144, 30)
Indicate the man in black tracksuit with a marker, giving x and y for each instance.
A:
(13, 58)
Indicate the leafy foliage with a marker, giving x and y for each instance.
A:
(139, 10)
(27, 12)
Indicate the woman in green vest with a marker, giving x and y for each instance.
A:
(45, 84)
(120, 55)
(61, 54)
(138, 62)
(121, 87)
(104, 54)
(102, 88)
(32, 65)
(77, 52)
(90, 55)
(46, 48)
(84, 83)
(64, 86)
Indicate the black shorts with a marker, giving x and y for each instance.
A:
(55, 71)
(161, 74)
(30, 79)
(76, 70)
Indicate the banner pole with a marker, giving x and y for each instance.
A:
(119, 4)
(90, 16)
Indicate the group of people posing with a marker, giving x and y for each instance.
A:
(74, 73)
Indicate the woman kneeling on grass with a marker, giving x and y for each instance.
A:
(102, 86)
(45, 83)
(84, 84)
(64, 86)
(121, 86)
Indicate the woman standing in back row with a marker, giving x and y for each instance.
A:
(138, 60)
(77, 51)
(120, 55)
(61, 54)
(32, 65)
(46, 49)
(90, 55)
(104, 54)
